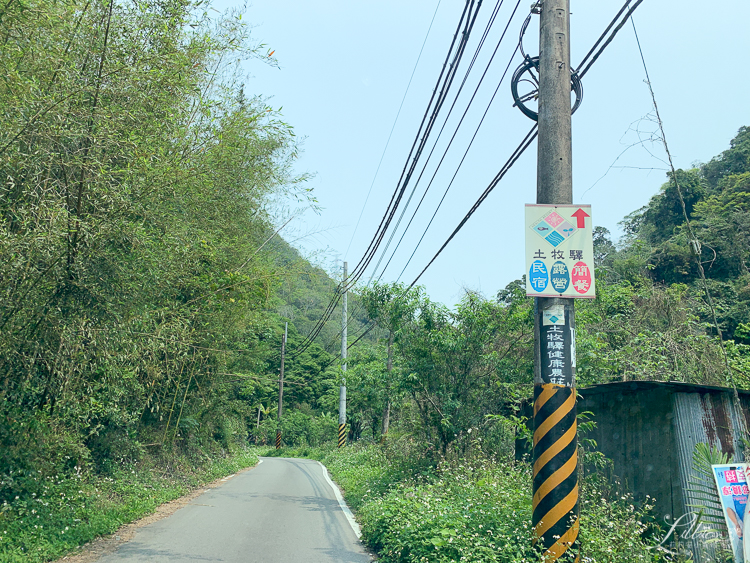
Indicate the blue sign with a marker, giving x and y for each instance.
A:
(560, 277)
(543, 229)
(538, 275)
(554, 238)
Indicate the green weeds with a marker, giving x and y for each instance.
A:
(465, 513)
(59, 513)
(474, 511)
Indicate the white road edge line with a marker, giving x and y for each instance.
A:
(259, 462)
(342, 503)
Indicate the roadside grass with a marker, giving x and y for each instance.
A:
(476, 510)
(59, 513)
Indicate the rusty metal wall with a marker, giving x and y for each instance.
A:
(649, 430)
(709, 417)
(634, 429)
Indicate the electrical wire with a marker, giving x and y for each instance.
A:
(445, 193)
(603, 35)
(360, 337)
(527, 140)
(582, 73)
(524, 26)
(490, 22)
(425, 127)
(450, 143)
(393, 127)
(463, 158)
(438, 96)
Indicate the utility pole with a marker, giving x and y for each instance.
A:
(555, 502)
(281, 387)
(344, 344)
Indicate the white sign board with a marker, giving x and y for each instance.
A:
(559, 251)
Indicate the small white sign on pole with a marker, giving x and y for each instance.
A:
(559, 251)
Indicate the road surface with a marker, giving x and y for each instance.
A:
(282, 511)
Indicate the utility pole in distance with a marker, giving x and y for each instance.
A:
(555, 502)
(344, 344)
(281, 387)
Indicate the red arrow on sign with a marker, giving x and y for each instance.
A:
(581, 216)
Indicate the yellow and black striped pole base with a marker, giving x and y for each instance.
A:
(555, 503)
(342, 435)
(278, 439)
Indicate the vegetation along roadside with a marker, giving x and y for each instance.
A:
(476, 509)
(60, 512)
(145, 285)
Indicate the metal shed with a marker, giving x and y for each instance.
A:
(649, 430)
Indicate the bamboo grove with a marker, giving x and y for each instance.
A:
(142, 285)
(138, 185)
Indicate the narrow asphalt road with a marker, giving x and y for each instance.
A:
(282, 511)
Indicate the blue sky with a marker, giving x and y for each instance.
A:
(344, 68)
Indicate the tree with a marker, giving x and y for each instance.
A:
(461, 366)
(391, 307)
(135, 197)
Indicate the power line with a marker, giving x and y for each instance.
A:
(398, 113)
(603, 35)
(450, 143)
(527, 140)
(598, 53)
(418, 145)
(445, 193)
(356, 271)
(441, 93)
(360, 337)
(463, 158)
(490, 22)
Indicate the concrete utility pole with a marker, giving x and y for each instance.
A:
(555, 502)
(281, 387)
(344, 344)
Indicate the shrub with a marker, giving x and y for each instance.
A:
(479, 513)
(411, 511)
(56, 513)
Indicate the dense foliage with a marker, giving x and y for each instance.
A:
(654, 307)
(144, 289)
(476, 510)
(141, 281)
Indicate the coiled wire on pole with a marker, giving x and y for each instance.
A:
(531, 65)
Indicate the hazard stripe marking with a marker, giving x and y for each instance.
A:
(562, 545)
(556, 448)
(563, 509)
(555, 479)
(555, 417)
(548, 391)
